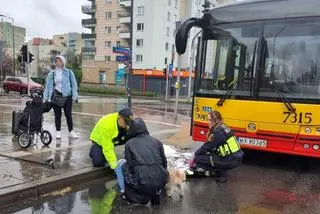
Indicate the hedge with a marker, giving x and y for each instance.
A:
(116, 91)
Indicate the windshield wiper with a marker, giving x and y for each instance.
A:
(227, 95)
(285, 100)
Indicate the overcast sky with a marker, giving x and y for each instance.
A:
(45, 17)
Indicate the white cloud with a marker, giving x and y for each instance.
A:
(45, 17)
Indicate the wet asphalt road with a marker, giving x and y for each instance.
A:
(265, 183)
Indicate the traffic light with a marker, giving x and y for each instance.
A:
(165, 71)
(24, 53)
(30, 58)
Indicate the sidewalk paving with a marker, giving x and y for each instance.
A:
(18, 170)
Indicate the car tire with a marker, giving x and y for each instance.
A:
(6, 89)
(24, 91)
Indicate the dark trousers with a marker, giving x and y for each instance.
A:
(216, 163)
(97, 156)
(67, 112)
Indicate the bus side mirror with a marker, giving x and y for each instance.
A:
(184, 28)
(182, 34)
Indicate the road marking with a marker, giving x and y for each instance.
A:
(100, 115)
(150, 121)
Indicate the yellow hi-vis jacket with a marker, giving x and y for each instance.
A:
(105, 130)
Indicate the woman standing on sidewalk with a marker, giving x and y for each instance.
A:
(61, 91)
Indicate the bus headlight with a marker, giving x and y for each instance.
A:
(316, 147)
(306, 146)
(202, 132)
(308, 130)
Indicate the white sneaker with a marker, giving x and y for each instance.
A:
(73, 135)
(58, 134)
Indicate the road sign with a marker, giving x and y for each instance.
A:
(120, 50)
(122, 58)
(170, 68)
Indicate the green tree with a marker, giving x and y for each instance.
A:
(74, 63)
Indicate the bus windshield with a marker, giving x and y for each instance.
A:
(289, 56)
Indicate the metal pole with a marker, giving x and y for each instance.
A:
(130, 58)
(167, 84)
(177, 87)
(191, 64)
(13, 49)
(1, 67)
(27, 68)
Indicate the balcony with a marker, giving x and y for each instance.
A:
(123, 13)
(89, 23)
(125, 3)
(89, 50)
(88, 9)
(88, 36)
(124, 34)
(125, 20)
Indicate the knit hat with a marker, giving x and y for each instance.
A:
(126, 114)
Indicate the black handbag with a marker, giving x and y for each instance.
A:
(57, 97)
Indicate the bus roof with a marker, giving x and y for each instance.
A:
(253, 10)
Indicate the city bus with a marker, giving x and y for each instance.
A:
(258, 63)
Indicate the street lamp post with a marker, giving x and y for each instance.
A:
(13, 45)
(130, 58)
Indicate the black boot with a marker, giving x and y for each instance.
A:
(155, 200)
(221, 177)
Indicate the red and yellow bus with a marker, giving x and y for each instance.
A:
(258, 63)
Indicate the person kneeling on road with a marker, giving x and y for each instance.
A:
(144, 168)
(222, 152)
(110, 131)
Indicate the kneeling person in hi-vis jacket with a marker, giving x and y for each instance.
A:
(110, 131)
(221, 152)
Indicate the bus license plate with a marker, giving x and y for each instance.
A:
(252, 142)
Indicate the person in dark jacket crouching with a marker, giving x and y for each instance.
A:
(221, 152)
(145, 166)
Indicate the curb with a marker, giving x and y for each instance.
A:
(34, 189)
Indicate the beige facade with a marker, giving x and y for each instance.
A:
(44, 51)
(6, 35)
(99, 62)
(69, 40)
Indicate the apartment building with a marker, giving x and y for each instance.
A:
(99, 62)
(69, 40)
(154, 29)
(6, 35)
(44, 51)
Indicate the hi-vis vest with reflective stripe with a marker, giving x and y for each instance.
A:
(231, 144)
(230, 147)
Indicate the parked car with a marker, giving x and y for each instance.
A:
(20, 84)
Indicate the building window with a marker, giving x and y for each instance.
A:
(140, 11)
(108, 15)
(107, 29)
(139, 43)
(107, 44)
(140, 27)
(166, 61)
(102, 77)
(139, 58)
(118, 43)
(168, 16)
(108, 1)
(169, 2)
(176, 3)
(107, 58)
(167, 46)
(168, 31)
